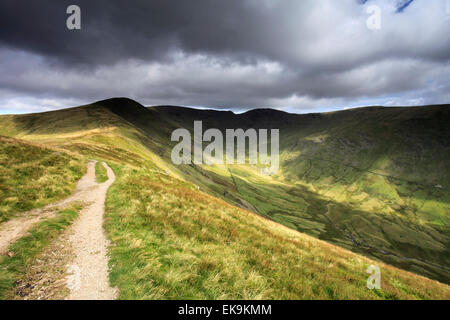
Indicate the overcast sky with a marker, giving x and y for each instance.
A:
(294, 55)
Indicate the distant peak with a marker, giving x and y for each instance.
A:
(114, 102)
(265, 111)
(126, 108)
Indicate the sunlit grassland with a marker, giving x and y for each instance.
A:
(32, 176)
(13, 269)
(385, 171)
(376, 180)
(100, 173)
(170, 241)
(406, 241)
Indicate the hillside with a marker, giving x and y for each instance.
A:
(32, 176)
(374, 180)
(346, 178)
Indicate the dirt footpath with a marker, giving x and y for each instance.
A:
(83, 245)
(90, 265)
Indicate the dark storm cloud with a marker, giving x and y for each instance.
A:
(223, 53)
(113, 30)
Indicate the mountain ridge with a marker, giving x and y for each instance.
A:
(375, 168)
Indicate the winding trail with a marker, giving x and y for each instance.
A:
(90, 245)
(86, 237)
(16, 228)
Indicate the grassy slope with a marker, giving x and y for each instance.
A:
(172, 242)
(126, 146)
(28, 247)
(32, 176)
(373, 171)
(100, 173)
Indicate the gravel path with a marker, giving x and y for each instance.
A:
(16, 228)
(90, 264)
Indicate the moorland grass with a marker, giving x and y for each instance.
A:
(32, 176)
(170, 241)
(358, 162)
(100, 173)
(12, 269)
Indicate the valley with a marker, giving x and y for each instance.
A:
(374, 181)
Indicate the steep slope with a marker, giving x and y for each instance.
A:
(32, 176)
(375, 180)
(171, 241)
(346, 177)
